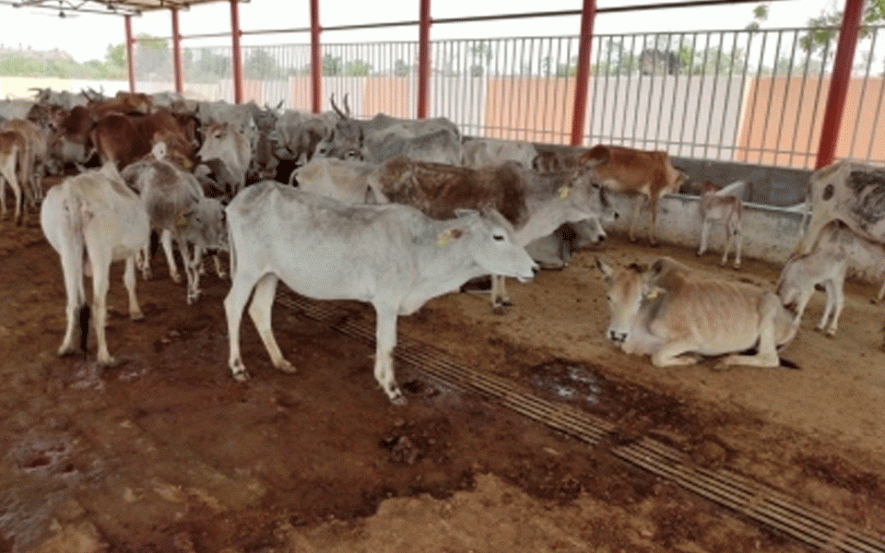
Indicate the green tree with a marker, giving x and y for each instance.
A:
(331, 65)
(401, 68)
(825, 28)
(357, 68)
(481, 55)
(259, 64)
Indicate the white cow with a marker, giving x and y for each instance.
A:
(482, 152)
(825, 265)
(392, 256)
(178, 210)
(344, 180)
(670, 310)
(230, 146)
(720, 205)
(91, 220)
(555, 250)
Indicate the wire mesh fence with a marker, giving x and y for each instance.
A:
(754, 96)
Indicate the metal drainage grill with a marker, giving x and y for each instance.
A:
(757, 501)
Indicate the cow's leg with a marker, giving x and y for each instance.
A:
(260, 312)
(767, 349)
(738, 244)
(101, 268)
(234, 303)
(3, 210)
(129, 282)
(881, 293)
(835, 303)
(166, 241)
(729, 236)
(670, 354)
(634, 221)
(219, 270)
(195, 264)
(499, 294)
(385, 339)
(72, 272)
(190, 271)
(809, 239)
(705, 231)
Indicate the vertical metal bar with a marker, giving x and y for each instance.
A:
(780, 126)
(597, 94)
(555, 102)
(316, 61)
(817, 98)
(513, 96)
(777, 52)
(878, 105)
(534, 93)
(839, 82)
(548, 80)
(746, 70)
(727, 102)
(697, 119)
(798, 117)
(863, 93)
(588, 16)
(130, 58)
(676, 82)
(176, 51)
(616, 91)
(236, 53)
(713, 94)
(694, 49)
(628, 95)
(608, 67)
(756, 97)
(423, 59)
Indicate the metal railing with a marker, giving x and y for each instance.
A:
(747, 95)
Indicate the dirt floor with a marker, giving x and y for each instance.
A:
(165, 452)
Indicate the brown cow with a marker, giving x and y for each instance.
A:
(125, 138)
(647, 173)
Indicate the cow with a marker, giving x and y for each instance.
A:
(534, 204)
(13, 148)
(555, 250)
(230, 146)
(238, 116)
(179, 211)
(299, 134)
(391, 256)
(344, 180)
(15, 108)
(91, 220)
(714, 205)
(483, 152)
(442, 146)
(348, 135)
(36, 156)
(846, 191)
(670, 310)
(826, 265)
(126, 138)
(71, 141)
(646, 173)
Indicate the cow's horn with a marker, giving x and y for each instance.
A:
(336, 108)
(346, 105)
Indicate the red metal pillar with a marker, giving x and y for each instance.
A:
(316, 62)
(582, 79)
(829, 134)
(176, 52)
(130, 59)
(424, 59)
(236, 53)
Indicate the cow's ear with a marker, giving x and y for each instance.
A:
(448, 235)
(607, 272)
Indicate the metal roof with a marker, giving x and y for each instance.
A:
(106, 7)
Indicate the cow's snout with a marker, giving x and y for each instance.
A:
(617, 337)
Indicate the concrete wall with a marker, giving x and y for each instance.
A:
(766, 185)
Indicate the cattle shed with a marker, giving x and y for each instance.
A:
(525, 431)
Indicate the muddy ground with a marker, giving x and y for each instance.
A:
(165, 452)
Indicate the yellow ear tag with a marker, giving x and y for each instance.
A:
(652, 294)
(444, 238)
(182, 221)
(564, 192)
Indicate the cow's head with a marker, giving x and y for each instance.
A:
(345, 141)
(585, 197)
(490, 241)
(629, 289)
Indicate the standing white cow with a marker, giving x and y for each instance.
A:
(482, 152)
(344, 180)
(91, 220)
(392, 256)
(230, 146)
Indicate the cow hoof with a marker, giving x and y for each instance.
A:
(286, 367)
(106, 361)
(176, 278)
(397, 398)
(241, 375)
(136, 316)
(737, 266)
(64, 351)
(499, 309)
(193, 297)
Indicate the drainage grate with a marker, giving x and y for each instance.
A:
(756, 501)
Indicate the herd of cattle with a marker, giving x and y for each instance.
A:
(392, 212)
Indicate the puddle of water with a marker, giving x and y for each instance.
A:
(568, 381)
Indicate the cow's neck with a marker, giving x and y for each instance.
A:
(545, 215)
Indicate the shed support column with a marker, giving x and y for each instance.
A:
(236, 53)
(130, 59)
(316, 62)
(582, 79)
(424, 59)
(829, 134)
(176, 52)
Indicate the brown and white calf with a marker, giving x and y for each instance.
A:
(717, 205)
(645, 173)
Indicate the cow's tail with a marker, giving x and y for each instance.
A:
(232, 250)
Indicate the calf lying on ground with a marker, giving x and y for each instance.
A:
(715, 205)
(670, 310)
(392, 256)
(91, 220)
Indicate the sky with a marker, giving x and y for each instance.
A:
(88, 36)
